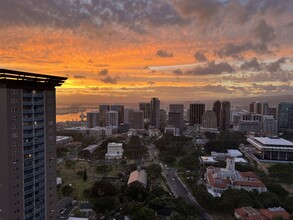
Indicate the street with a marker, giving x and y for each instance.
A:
(176, 186)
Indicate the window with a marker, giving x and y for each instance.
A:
(13, 109)
(13, 92)
(14, 127)
(14, 144)
(14, 135)
(13, 118)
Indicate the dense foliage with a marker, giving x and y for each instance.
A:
(134, 149)
(223, 141)
(172, 147)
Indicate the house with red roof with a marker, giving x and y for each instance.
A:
(220, 179)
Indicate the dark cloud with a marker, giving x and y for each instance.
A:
(151, 83)
(215, 89)
(104, 72)
(199, 56)
(164, 54)
(212, 69)
(68, 13)
(264, 32)
(237, 51)
(276, 66)
(269, 87)
(79, 77)
(178, 72)
(252, 64)
(271, 67)
(110, 80)
(204, 11)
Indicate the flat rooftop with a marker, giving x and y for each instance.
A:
(273, 141)
(27, 78)
(92, 148)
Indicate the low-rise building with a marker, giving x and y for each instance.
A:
(220, 179)
(154, 132)
(114, 151)
(249, 213)
(272, 148)
(172, 130)
(61, 140)
(139, 176)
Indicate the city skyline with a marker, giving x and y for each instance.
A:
(130, 51)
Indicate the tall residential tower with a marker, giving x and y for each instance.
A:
(28, 145)
(155, 112)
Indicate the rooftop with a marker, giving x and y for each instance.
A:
(140, 176)
(92, 148)
(273, 141)
(26, 78)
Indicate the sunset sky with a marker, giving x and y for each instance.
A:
(132, 50)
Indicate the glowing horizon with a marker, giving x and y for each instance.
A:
(132, 50)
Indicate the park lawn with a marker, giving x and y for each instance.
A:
(79, 186)
(113, 173)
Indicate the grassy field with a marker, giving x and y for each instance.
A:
(69, 176)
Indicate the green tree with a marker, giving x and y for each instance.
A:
(143, 214)
(69, 164)
(84, 175)
(103, 188)
(104, 203)
(67, 190)
(154, 169)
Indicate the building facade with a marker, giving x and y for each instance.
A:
(163, 118)
(272, 148)
(155, 112)
(114, 151)
(269, 125)
(28, 145)
(225, 116)
(136, 119)
(178, 108)
(103, 109)
(209, 119)
(92, 119)
(175, 119)
(196, 112)
(112, 118)
(220, 179)
(217, 109)
(146, 108)
(285, 115)
(120, 110)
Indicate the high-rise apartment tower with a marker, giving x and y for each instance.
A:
(28, 145)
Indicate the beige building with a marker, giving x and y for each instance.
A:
(114, 151)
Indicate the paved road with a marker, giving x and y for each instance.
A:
(178, 189)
